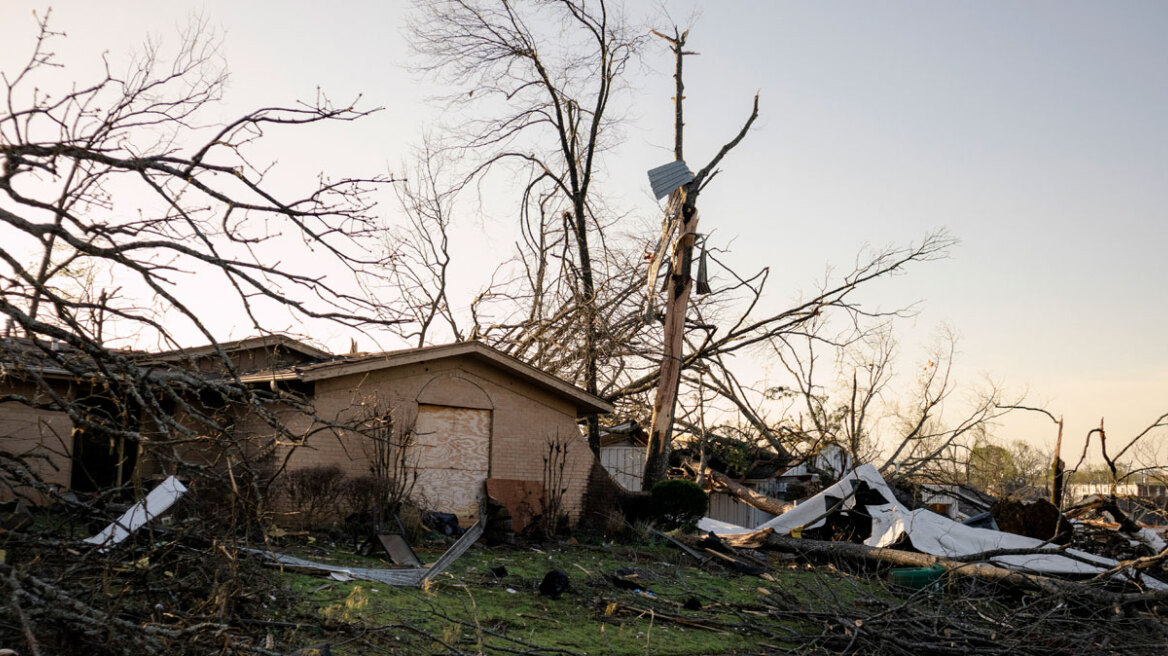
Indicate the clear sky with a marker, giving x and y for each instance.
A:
(1035, 132)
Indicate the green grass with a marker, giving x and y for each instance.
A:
(467, 606)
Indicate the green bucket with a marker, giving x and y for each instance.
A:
(917, 578)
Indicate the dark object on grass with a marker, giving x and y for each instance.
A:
(554, 584)
(444, 523)
(678, 503)
(692, 604)
(499, 571)
(626, 579)
(712, 541)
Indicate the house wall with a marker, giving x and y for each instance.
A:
(523, 418)
(43, 439)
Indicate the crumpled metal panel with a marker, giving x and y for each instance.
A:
(664, 179)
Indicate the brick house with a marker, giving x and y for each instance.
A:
(474, 413)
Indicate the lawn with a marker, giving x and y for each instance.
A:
(681, 607)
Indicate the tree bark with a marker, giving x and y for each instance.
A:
(589, 302)
(665, 401)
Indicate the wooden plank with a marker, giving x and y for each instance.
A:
(451, 456)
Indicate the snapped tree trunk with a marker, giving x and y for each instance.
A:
(740, 491)
(1057, 471)
(664, 403)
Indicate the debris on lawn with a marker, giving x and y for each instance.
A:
(158, 501)
(554, 584)
(401, 577)
(444, 523)
(625, 579)
(398, 577)
(399, 551)
(1115, 518)
(876, 519)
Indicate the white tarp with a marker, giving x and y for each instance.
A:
(927, 531)
(158, 501)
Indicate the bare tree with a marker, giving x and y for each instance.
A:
(420, 255)
(123, 178)
(534, 97)
(551, 94)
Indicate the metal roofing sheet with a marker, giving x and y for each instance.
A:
(664, 179)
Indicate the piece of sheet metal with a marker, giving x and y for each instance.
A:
(666, 178)
(399, 550)
(405, 577)
(158, 501)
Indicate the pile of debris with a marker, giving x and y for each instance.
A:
(859, 518)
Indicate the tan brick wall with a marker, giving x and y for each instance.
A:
(43, 439)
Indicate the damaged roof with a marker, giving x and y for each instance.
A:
(263, 341)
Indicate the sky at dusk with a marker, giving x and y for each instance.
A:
(1035, 133)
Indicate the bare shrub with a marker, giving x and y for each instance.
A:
(555, 463)
(314, 492)
(363, 494)
(387, 444)
(412, 525)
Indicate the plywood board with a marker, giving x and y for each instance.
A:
(451, 454)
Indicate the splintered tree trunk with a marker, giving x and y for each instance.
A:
(680, 281)
(740, 491)
(680, 284)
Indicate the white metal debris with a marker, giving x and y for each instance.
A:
(927, 531)
(158, 501)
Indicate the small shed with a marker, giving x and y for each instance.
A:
(474, 413)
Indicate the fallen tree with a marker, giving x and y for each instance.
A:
(724, 483)
(973, 566)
